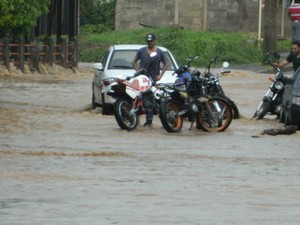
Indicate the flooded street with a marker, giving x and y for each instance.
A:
(62, 163)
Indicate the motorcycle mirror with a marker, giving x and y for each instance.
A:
(225, 64)
(153, 54)
(276, 55)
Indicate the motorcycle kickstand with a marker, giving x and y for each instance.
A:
(192, 123)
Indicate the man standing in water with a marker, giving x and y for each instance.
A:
(150, 58)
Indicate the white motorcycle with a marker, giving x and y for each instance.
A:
(134, 95)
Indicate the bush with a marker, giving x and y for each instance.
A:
(236, 48)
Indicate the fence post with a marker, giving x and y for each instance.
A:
(74, 55)
(22, 57)
(36, 56)
(48, 41)
(64, 55)
(6, 53)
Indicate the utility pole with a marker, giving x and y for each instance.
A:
(270, 34)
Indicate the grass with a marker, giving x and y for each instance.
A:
(236, 48)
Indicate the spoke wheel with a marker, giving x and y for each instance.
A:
(215, 115)
(168, 114)
(262, 111)
(124, 115)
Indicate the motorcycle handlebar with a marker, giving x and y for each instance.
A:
(225, 71)
(140, 71)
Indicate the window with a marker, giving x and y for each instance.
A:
(121, 59)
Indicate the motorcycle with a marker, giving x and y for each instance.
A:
(271, 103)
(186, 99)
(213, 87)
(134, 95)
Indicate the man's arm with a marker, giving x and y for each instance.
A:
(134, 64)
(162, 72)
(136, 58)
(282, 64)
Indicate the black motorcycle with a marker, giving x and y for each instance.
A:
(213, 87)
(186, 99)
(272, 100)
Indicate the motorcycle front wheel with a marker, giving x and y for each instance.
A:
(126, 118)
(235, 109)
(168, 114)
(262, 110)
(215, 115)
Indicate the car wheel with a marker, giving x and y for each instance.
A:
(282, 115)
(287, 122)
(107, 109)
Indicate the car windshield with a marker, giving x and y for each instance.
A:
(121, 59)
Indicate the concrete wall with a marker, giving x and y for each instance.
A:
(129, 13)
(202, 15)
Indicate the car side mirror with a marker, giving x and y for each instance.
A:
(98, 66)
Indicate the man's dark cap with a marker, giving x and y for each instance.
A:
(150, 37)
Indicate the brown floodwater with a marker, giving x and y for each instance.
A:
(63, 163)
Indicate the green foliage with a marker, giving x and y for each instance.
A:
(237, 48)
(17, 17)
(283, 45)
(93, 29)
(98, 12)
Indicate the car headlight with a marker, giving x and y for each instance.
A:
(279, 85)
(296, 100)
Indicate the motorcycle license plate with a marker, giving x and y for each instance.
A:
(106, 89)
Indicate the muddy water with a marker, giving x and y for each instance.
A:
(63, 163)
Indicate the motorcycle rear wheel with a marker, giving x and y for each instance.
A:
(216, 120)
(168, 114)
(126, 119)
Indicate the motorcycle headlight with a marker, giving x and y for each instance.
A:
(296, 100)
(279, 85)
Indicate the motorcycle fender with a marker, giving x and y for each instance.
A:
(132, 92)
(267, 98)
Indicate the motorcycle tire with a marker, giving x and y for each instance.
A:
(212, 120)
(287, 121)
(262, 111)
(126, 119)
(235, 110)
(168, 114)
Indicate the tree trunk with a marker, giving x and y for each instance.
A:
(270, 17)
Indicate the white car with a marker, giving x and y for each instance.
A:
(117, 61)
